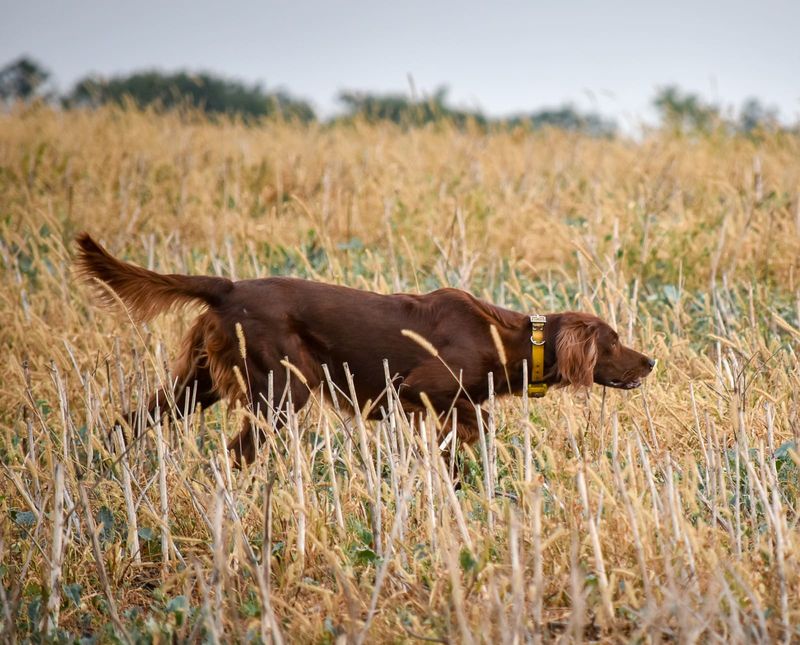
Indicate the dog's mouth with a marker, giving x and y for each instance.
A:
(625, 385)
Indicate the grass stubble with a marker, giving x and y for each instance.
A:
(666, 513)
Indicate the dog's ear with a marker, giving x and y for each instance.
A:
(576, 352)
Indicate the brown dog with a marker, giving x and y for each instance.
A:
(309, 324)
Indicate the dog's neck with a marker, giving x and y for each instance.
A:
(516, 337)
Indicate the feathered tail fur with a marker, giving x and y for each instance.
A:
(145, 293)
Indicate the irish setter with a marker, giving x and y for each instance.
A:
(306, 324)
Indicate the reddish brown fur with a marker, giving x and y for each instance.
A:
(311, 324)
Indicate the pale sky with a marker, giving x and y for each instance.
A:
(501, 57)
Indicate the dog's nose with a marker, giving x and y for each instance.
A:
(651, 363)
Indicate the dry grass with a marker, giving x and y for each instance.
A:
(669, 513)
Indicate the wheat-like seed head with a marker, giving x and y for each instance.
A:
(294, 370)
(421, 341)
(498, 344)
(240, 379)
(240, 336)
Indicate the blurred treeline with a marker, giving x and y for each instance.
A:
(27, 80)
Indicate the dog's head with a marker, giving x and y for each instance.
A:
(587, 350)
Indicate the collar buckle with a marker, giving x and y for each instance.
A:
(537, 390)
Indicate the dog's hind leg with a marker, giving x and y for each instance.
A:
(193, 385)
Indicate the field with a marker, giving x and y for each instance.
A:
(668, 513)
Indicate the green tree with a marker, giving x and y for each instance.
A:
(685, 112)
(567, 117)
(207, 92)
(754, 116)
(402, 110)
(23, 79)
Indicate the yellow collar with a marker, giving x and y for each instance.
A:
(537, 388)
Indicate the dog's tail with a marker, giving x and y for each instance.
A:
(145, 293)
